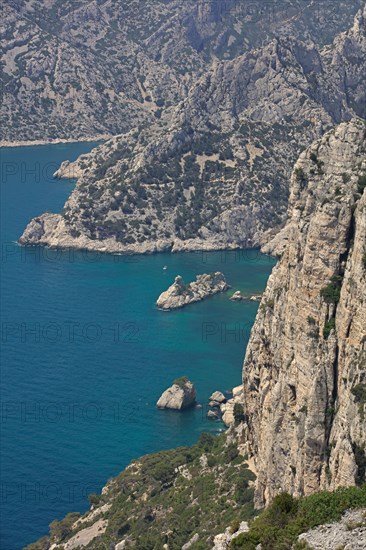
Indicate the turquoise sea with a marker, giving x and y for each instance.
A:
(85, 353)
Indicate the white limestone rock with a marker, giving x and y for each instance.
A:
(179, 294)
(223, 540)
(181, 395)
(218, 397)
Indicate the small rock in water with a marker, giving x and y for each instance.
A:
(236, 297)
(217, 397)
(181, 395)
(179, 294)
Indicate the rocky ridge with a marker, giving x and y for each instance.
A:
(216, 175)
(74, 70)
(179, 294)
(304, 375)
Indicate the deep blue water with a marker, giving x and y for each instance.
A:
(85, 354)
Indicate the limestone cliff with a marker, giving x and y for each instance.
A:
(304, 375)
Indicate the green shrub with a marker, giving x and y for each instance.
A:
(278, 527)
(313, 158)
(231, 452)
(206, 441)
(239, 415)
(331, 293)
(328, 327)
(361, 184)
(300, 175)
(360, 459)
(61, 529)
(94, 499)
(181, 382)
(359, 391)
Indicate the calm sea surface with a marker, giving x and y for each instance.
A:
(85, 353)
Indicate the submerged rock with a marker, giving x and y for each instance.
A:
(179, 294)
(236, 297)
(181, 395)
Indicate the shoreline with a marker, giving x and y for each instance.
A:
(28, 143)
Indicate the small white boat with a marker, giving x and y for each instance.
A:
(165, 267)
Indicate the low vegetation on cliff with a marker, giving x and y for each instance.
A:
(168, 497)
(279, 527)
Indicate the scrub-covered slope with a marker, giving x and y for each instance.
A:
(215, 174)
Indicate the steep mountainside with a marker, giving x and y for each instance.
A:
(304, 375)
(74, 69)
(217, 176)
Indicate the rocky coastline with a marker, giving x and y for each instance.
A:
(227, 408)
(51, 230)
(32, 143)
(180, 294)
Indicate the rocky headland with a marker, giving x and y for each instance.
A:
(188, 183)
(180, 294)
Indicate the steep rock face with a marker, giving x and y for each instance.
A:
(304, 375)
(216, 175)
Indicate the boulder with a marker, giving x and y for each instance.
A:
(217, 397)
(191, 541)
(180, 294)
(213, 415)
(228, 412)
(223, 540)
(236, 297)
(238, 390)
(181, 395)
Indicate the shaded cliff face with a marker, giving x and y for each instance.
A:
(304, 373)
